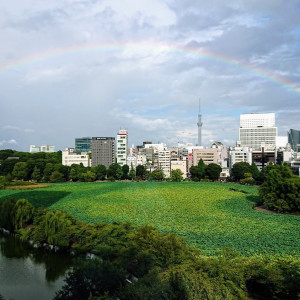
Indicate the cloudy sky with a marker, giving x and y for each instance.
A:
(75, 68)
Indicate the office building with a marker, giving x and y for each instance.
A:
(294, 139)
(239, 154)
(103, 151)
(44, 148)
(257, 129)
(83, 144)
(208, 155)
(122, 147)
(70, 157)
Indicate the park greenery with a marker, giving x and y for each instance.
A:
(138, 262)
(158, 240)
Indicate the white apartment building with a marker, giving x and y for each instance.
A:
(122, 146)
(239, 154)
(256, 129)
(164, 158)
(69, 157)
(43, 148)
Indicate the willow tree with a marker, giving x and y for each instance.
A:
(23, 213)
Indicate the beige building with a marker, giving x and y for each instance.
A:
(208, 155)
(181, 165)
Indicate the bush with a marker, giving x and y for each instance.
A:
(248, 180)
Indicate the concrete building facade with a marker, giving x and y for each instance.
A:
(256, 129)
(43, 148)
(239, 154)
(208, 155)
(70, 157)
(103, 151)
(122, 147)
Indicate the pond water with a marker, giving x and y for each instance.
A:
(29, 273)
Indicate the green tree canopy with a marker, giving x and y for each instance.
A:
(213, 171)
(19, 171)
(201, 169)
(140, 171)
(176, 175)
(239, 169)
(100, 172)
(114, 171)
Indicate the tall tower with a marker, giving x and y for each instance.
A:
(199, 125)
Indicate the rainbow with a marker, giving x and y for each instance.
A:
(146, 46)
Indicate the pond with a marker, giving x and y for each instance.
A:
(28, 272)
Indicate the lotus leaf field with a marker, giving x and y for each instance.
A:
(210, 216)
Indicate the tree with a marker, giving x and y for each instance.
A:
(176, 175)
(56, 176)
(131, 174)
(239, 169)
(157, 175)
(194, 172)
(19, 171)
(201, 169)
(281, 189)
(89, 176)
(213, 171)
(23, 211)
(100, 172)
(114, 171)
(140, 171)
(36, 174)
(48, 171)
(255, 172)
(125, 170)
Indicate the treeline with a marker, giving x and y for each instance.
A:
(141, 263)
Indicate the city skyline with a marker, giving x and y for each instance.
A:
(75, 69)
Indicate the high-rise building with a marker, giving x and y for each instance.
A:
(257, 130)
(44, 148)
(122, 147)
(103, 151)
(83, 144)
(294, 139)
(199, 124)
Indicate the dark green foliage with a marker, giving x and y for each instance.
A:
(213, 171)
(239, 169)
(281, 189)
(114, 171)
(255, 172)
(157, 175)
(36, 174)
(201, 169)
(7, 213)
(125, 171)
(176, 175)
(48, 171)
(194, 172)
(19, 171)
(23, 211)
(56, 176)
(140, 172)
(92, 279)
(100, 172)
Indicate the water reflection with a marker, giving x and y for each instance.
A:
(27, 272)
